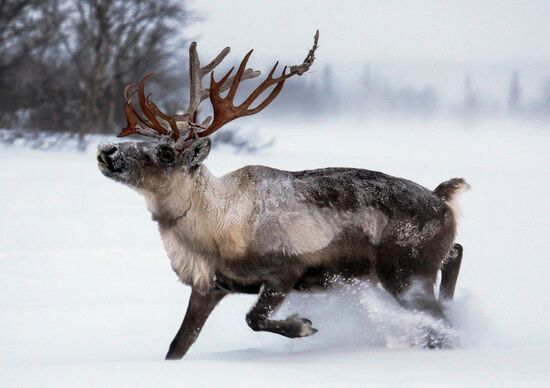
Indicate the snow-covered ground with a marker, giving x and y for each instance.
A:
(88, 298)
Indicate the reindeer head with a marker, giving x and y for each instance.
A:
(181, 140)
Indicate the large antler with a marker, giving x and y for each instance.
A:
(155, 123)
(197, 93)
(158, 124)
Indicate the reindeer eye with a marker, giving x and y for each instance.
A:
(165, 154)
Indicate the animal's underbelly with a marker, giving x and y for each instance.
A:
(312, 278)
(345, 269)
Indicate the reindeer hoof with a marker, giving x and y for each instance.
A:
(173, 356)
(302, 325)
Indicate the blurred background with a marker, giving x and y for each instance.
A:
(64, 63)
(426, 90)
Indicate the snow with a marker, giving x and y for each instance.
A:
(88, 298)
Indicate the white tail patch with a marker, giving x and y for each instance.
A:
(448, 191)
(452, 200)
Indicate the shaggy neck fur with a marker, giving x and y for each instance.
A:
(180, 194)
(201, 219)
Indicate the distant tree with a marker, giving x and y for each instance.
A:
(469, 95)
(327, 80)
(544, 107)
(69, 60)
(328, 97)
(28, 29)
(546, 94)
(514, 92)
(470, 103)
(366, 77)
(365, 92)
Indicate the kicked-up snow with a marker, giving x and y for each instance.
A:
(88, 297)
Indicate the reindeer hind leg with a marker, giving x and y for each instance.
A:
(449, 273)
(413, 287)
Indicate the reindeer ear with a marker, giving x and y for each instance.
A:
(196, 152)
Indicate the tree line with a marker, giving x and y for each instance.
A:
(64, 63)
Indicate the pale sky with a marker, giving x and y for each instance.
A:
(351, 31)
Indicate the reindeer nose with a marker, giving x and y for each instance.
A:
(104, 151)
(107, 149)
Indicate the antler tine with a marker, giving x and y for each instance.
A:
(197, 94)
(279, 81)
(269, 81)
(196, 73)
(215, 62)
(127, 94)
(135, 124)
(194, 79)
(237, 79)
(146, 109)
(150, 124)
(207, 120)
(171, 120)
(308, 61)
(248, 74)
(134, 121)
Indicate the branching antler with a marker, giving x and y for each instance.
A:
(155, 123)
(224, 108)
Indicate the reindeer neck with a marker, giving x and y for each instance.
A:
(184, 194)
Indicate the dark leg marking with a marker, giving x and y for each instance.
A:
(199, 308)
(421, 297)
(231, 286)
(415, 293)
(271, 297)
(449, 273)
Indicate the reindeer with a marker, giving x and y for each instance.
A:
(269, 232)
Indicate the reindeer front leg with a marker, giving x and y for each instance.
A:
(199, 308)
(271, 297)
